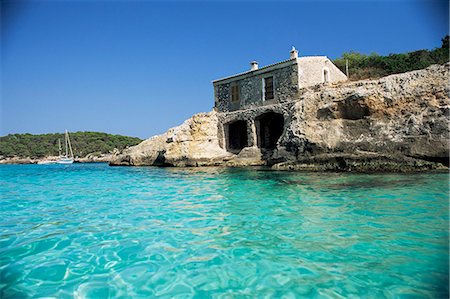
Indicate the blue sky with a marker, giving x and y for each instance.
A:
(140, 67)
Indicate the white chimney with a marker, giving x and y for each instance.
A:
(294, 53)
(254, 65)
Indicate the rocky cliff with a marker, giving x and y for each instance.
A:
(396, 123)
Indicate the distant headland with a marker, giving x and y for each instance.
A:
(87, 147)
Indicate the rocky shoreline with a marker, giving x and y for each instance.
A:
(399, 123)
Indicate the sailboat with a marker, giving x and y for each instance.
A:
(66, 159)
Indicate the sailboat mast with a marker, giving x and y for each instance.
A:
(65, 141)
(70, 146)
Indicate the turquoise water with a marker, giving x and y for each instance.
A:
(94, 231)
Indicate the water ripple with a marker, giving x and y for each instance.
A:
(91, 231)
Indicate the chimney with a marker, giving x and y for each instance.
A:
(294, 53)
(254, 65)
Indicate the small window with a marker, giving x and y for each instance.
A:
(235, 93)
(268, 88)
(326, 76)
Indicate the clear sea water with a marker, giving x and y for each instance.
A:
(94, 231)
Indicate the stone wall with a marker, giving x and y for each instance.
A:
(311, 71)
(288, 77)
(285, 80)
(250, 116)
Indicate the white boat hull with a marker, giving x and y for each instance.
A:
(65, 161)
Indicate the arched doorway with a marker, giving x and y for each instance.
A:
(269, 128)
(236, 136)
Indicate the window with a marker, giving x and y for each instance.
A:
(326, 76)
(268, 88)
(235, 93)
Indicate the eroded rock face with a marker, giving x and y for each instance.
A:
(193, 143)
(400, 114)
(399, 122)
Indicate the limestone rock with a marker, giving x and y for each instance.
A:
(362, 162)
(148, 152)
(405, 113)
(18, 160)
(193, 143)
(94, 158)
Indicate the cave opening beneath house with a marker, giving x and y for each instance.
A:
(237, 135)
(269, 127)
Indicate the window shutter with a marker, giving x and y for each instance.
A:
(268, 88)
(235, 93)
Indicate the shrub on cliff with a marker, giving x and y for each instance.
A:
(373, 66)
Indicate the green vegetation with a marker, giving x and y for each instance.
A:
(361, 66)
(83, 143)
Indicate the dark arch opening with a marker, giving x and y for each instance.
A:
(270, 127)
(237, 135)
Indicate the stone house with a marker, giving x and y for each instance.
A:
(269, 86)
(275, 83)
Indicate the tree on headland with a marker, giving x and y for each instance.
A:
(83, 143)
(374, 66)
